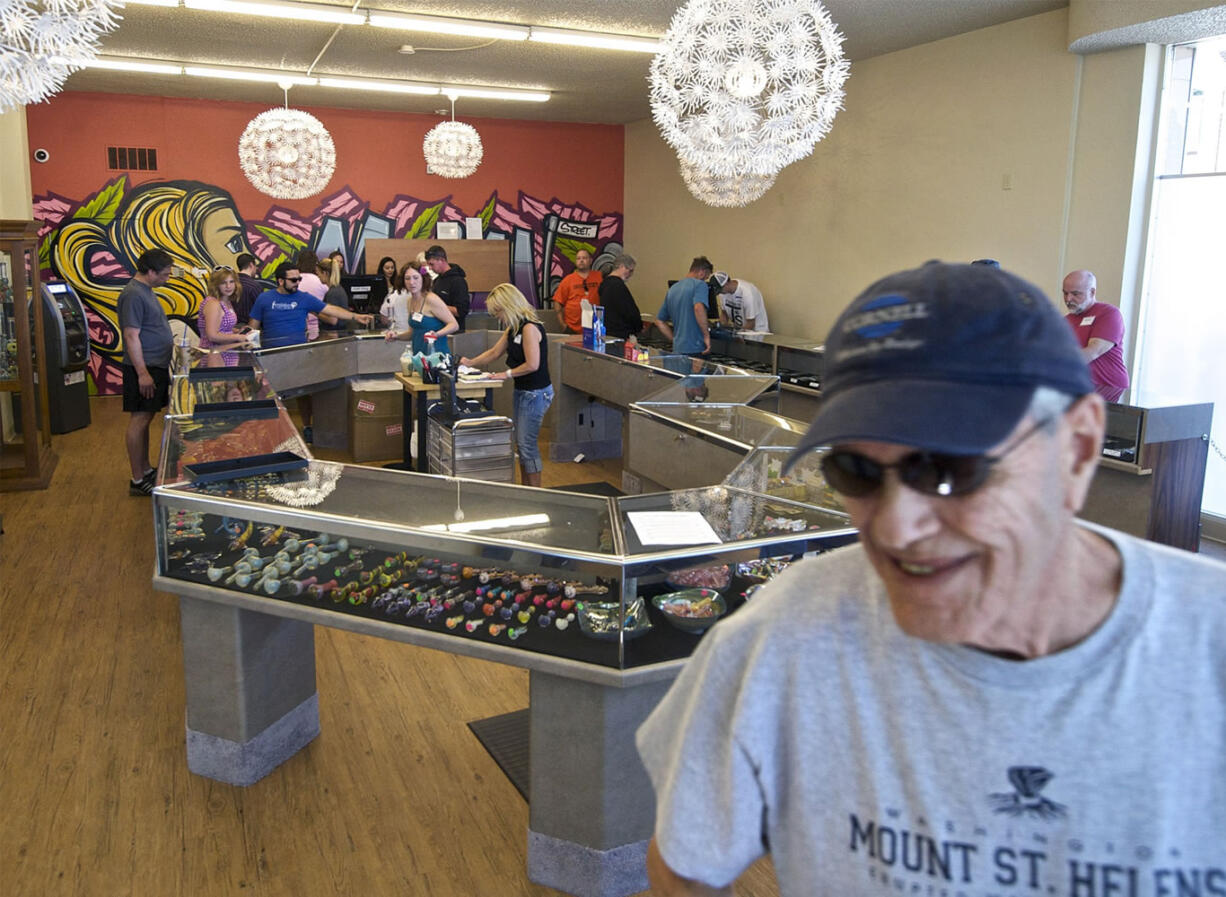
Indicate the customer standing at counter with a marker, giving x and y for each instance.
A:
(1036, 704)
(582, 283)
(622, 318)
(1099, 328)
(428, 317)
(527, 354)
(247, 265)
(741, 305)
(281, 314)
(450, 283)
(217, 317)
(148, 347)
(395, 307)
(312, 285)
(329, 272)
(683, 316)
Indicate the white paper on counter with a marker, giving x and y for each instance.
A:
(671, 528)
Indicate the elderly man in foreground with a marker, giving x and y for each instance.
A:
(985, 695)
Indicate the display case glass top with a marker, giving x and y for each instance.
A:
(720, 389)
(748, 427)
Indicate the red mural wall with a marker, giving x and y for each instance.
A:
(378, 153)
(550, 188)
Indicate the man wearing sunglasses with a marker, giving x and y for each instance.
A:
(985, 695)
(281, 314)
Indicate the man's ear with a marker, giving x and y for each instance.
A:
(1085, 424)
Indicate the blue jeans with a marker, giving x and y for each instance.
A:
(530, 408)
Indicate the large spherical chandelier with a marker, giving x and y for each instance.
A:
(452, 148)
(744, 87)
(287, 153)
(725, 191)
(41, 44)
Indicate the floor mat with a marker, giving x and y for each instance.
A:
(505, 738)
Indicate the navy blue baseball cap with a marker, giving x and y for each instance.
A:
(945, 358)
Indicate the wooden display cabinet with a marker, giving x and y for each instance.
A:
(26, 459)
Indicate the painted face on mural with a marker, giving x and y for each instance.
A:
(224, 236)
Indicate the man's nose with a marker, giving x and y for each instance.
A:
(903, 516)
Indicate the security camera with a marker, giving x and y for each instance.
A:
(41, 155)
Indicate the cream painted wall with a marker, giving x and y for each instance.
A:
(14, 167)
(916, 168)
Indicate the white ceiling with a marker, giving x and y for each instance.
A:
(587, 85)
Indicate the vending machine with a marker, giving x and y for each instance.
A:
(66, 342)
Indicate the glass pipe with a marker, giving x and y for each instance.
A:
(319, 590)
(299, 586)
(216, 573)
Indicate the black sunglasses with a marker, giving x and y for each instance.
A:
(931, 473)
(291, 279)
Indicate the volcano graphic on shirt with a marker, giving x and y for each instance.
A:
(1026, 799)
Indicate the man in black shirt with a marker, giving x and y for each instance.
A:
(250, 287)
(450, 283)
(622, 318)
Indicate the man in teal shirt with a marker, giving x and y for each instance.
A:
(683, 316)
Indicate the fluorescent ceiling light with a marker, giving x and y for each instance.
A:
(571, 38)
(495, 93)
(300, 12)
(385, 86)
(135, 65)
(153, 2)
(274, 76)
(437, 25)
(266, 76)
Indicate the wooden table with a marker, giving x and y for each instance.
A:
(419, 394)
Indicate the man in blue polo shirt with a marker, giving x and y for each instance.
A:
(281, 314)
(683, 316)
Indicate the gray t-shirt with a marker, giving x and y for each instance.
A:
(139, 307)
(869, 762)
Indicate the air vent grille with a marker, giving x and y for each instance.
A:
(131, 158)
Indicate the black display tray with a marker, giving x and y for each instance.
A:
(250, 466)
(240, 372)
(254, 410)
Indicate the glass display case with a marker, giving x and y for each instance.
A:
(26, 462)
(534, 572)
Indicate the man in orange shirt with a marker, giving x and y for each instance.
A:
(582, 283)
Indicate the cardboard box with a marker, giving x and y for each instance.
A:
(375, 397)
(376, 422)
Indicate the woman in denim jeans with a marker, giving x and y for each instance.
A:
(526, 349)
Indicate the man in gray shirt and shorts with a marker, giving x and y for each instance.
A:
(985, 696)
(148, 346)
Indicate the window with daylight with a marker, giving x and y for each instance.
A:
(1182, 325)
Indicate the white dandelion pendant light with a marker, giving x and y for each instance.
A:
(725, 191)
(41, 44)
(743, 87)
(452, 148)
(287, 153)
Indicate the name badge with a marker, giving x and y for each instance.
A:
(519, 338)
(1087, 321)
(417, 316)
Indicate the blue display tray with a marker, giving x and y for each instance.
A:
(255, 409)
(238, 468)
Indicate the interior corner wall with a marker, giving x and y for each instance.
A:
(1111, 167)
(14, 166)
(958, 149)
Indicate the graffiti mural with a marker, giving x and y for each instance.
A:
(93, 243)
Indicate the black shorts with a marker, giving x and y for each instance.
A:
(134, 401)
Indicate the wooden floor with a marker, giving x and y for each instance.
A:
(395, 797)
